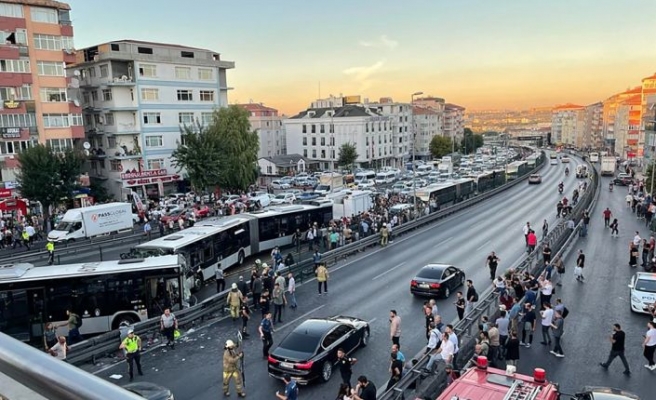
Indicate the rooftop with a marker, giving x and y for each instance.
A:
(633, 100)
(567, 106)
(349, 110)
(451, 106)
(41, 3)
(256, 107)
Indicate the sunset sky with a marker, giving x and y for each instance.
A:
(476, 53)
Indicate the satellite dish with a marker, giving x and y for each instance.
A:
(86, 145)
(76, 102)
(86, 153)
(76, 72)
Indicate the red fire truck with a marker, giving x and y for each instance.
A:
(483, 383)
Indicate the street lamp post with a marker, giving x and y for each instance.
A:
(414, 150)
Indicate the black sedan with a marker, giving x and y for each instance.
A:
(437, 280)
(309, 352)
(149, 391)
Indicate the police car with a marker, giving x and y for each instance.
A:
(643, 292)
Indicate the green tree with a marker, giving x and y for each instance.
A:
(199, 156)
(48, 176)
(470, 142)
(440, 146)
(347, 155)
(238, 148)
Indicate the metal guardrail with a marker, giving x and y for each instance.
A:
(559, 239)
(102, 345)
(52, 378)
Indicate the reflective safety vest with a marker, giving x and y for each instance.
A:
(25, 236)
(131, 344)
(50, 246)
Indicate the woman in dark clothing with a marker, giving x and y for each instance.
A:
(512, 349)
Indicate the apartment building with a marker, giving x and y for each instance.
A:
(428, 124)
(318, 133)
(593, 126)
(136, 98)
(610, 106)
(454, 121)
(649, 116)
(36, 103)
(627, 127)
(567, 124)
(403, 135)
(268, 125)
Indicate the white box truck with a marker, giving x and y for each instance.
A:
(88, 222)
(608, 166)
(329, 183)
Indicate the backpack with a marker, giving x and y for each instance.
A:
(78, 321)
(565, 312)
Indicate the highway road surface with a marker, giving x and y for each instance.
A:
(367, 287)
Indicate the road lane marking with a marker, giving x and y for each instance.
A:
(283, 326)
(483, 245)
(445, 241)
(388, 271)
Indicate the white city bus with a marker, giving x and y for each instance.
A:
(229, 240)
(105, 294)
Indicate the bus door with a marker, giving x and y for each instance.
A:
(21, 313)
(162, 293)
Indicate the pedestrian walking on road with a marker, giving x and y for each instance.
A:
(546, 253)
(245, 314)
(168, 324)
(492, 264)
(617, 349)
(279, 301)
(231, 359)
(645, 252)
(614, 228)
(532, 241)
(512, 349)
(547, 315)
(558, 328)
(291, 290)
(526, 229)
(460, 305)
(395, 328)
(50, 248)
(345, 366)
(220, 279)
(545, 230)
(633, 255)
(580, 264)
(529, 319)
(132, 347)
(472, 296)
(322, 278)
(607, 214)
(649, 345)
(266, 334)
(234, 300)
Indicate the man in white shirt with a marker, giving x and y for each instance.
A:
(30, 232)
(547, 319)
(526, 230)
(60, 349)
(444, 353)
(291, 289)
(637, 239)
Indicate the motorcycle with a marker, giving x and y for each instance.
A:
(610, 187)
(651, 267)
(560, 189)
(566, 171)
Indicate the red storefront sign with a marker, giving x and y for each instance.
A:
(5, 193)
(143, 174)
(152, 181)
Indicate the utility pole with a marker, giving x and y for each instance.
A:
(414, 150)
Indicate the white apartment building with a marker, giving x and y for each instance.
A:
(454, 121)
(318, 133)
(136, 96)
(268, 125)
(567, 123)
(401, 118)
(428, 124)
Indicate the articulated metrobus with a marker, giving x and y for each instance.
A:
(229, 240)
(105, 294)
(441, 194)
(515, 169)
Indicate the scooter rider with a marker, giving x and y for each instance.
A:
(566, 171)
(560, 187)
(610, 186)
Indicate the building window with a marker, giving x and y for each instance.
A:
(332, 141)
(183, 73)
(59, 144)
(150, 94)
(111, 142)
(50, 68)
(53, 95)
(323, 141)
(304, 128)
(155, 163)
(207, 95)
(314, 153)
(187, 54)
(115, 47)
(19, 66)
(11, 10)
(47, 15)
(144, 50)
(314, 128)
(20, 93)
(314, 141)
(323, 153)
(94, 95)
(17, 120)
(148, 70)
(55, 120)
(205, 74)
(322, 129)
(109, 119)
(206, 118)
(186, 118)
(332, 128)
(104, 71)
(152, 118)
(92, 72)
(304, 152)
(304, 140)
(47, 42)
(115, 165)
(154, 141)
(106, 93)
(185, 95)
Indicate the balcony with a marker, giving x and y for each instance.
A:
(123, 153)
(126, 107)
(123, 80)
(97, 154)
(88, 83)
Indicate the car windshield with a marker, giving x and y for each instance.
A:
(65, 226)
(281, 196)
(430, 273)
(644, 285)
(300, 343)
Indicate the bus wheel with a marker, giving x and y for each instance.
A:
(125, 319)
(240, 257)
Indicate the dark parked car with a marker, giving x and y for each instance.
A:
(149, 391)
(604, 393)
(436, 280)
(623, 179)
(309, 352)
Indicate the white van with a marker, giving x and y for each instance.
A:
(364, 176)
(385, 177)
(424, 170)
(642, 292)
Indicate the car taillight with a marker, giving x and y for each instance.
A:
(272, 360)
(413, 283)
(306, 365)
(434, 285)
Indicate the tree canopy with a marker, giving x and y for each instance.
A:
(48, 176)
(471, 142)
(347, 155)
(440, 146)
(224, 153)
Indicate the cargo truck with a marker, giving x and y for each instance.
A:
(88, 222)
(330, 183)
(608, 166)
